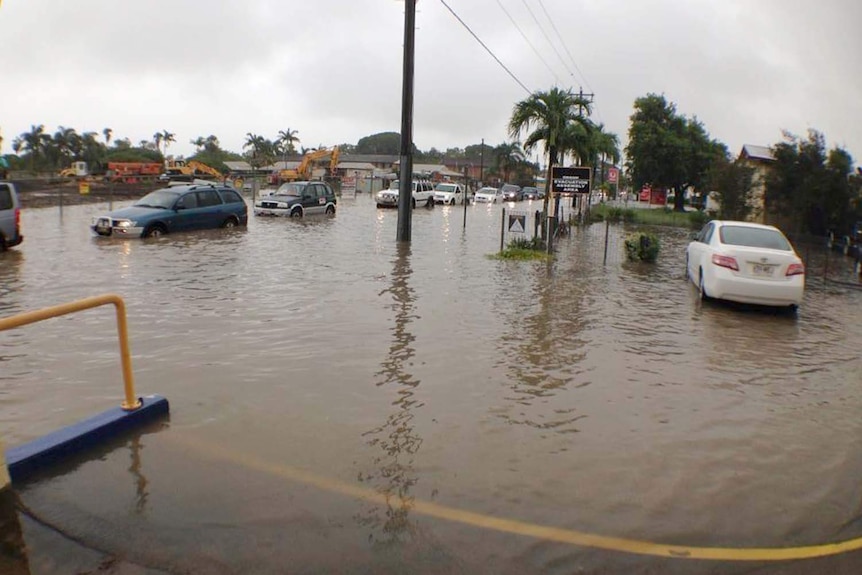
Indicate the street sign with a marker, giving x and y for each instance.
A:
(570, 180)
(517, 223)
(613, 175)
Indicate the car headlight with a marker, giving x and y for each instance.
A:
(281, 205)
(125, 224)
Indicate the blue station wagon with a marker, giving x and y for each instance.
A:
(176, 209)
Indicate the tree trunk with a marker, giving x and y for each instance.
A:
(678, 199)
(552, 160)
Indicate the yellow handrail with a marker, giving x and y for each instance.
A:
(131, 402)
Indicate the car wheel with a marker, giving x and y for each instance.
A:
(230, 223)
(379, 205)
(430, 204)
(296, 213)
(155, 231)
(330, 210)
(700, 288)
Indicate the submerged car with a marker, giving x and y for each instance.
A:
(487, 195)
(531, 193)
(297, 199)
(747, 263)
(512, 193)
(10, 217)
(449, 194)
(423, 195)
(175, 209)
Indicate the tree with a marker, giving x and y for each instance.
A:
(287, 138)
(667, 150)
(167, 139)
(260, 151)
(382, 143)
(807, 188)
(507, 158)
(732, 183)
(107, 132)
(548, 115)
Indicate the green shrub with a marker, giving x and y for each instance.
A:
(698, 219)
(535, 243)
(642, 247)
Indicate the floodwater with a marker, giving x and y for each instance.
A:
(342, 404)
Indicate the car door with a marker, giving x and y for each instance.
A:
(186, 213)
(312, 197)
(698, 250)
(210, 211)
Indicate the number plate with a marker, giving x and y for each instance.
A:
(762, 270)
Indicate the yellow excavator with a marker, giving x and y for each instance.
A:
(305, 169)
(188, 170)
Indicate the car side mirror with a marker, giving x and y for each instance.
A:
(179, 207)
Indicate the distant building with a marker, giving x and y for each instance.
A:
(759, 158)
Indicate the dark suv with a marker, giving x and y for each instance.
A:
(10, 217)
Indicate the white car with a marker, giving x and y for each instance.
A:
(488, 195)
(423, 195)
(746, 263)
(448, 193)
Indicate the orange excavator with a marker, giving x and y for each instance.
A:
(306, 167)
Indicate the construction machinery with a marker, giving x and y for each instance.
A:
(132, 172)
(305, 170)
(76, 170)
(183, 170)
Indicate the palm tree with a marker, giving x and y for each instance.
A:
(507, 157)
(606, 146)
(167, 138)
(107, 132)
(548, 115)
(34, 142)
(157, 140)
(287, 138)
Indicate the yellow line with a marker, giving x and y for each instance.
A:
(516, 527)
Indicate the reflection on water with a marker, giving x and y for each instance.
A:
(396, 438)
(13, 549)
(140, 480)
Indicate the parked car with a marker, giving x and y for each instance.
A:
(850, 244)
(10, 217)
(747, 263)
(423, 195)
(488, 195)
(297, 199)
(448, 193)
(531, 193)
(175, 209)
(512, 193)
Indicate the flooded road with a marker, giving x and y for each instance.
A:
(340, 403)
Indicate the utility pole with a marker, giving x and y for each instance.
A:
(405, 178)
(482, 163)
(583, 96)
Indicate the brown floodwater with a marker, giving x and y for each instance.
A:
(340, 403)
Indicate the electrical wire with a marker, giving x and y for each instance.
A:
(566, 48)
(515, 78)
(545, 34)
(527, 40)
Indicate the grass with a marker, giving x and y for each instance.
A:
(654, 217)
(521, 254)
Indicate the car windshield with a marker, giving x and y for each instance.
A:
(445, 188)
(290, 189)
(164, 199)
(754, 237)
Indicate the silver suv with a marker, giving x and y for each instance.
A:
(10, 217)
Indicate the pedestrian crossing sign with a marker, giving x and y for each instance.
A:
(517, 223)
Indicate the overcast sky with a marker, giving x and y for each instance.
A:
(332, 69)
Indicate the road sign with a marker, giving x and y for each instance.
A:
(613, 175)
(570, 180)
(517, 223)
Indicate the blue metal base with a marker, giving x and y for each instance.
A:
(25, 460)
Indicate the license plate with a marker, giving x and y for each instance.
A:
(762, 270)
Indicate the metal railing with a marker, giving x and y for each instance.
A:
(130, 403)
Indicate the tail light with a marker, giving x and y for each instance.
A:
(795, 269)
(725, 262)
(18, 219)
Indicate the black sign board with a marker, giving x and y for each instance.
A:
(571, 180)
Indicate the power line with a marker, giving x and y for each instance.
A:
(486, 48)
(545, 34)
(527, 40)
(566, 48)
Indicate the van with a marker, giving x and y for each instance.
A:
(10, 217)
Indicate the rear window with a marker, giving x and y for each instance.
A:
(231, 197)
(5, 197)
(754, 238)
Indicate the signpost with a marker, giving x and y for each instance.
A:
(568, 181)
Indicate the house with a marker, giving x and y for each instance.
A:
(759, 158)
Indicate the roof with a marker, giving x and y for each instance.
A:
(757, 153)
(433, 169)
(238, 166)
(364, 166)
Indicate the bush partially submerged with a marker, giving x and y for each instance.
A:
(524, 249)
(642, 247)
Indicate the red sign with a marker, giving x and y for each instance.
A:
(613, 175)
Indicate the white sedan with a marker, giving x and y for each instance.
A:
(488, 195)
(746, 263)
